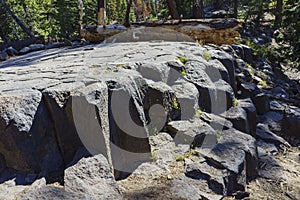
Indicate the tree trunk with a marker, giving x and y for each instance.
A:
(101, 14)
(235, 8)
(217, 4)
(127, 14)
(172, 8)
(198, 9)
(10, 12)
(278, 13)
(4, 38)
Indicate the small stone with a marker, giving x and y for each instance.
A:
(3, 56)
(11, 51)
(25, 50)
(36, 47)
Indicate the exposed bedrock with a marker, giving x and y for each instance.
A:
(179, 112)
(112, 99)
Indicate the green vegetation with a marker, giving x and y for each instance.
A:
(175, 103)
(263, 83)
(57, 19)
(154, 156)
(198, 113)
(183, 73)
(218, 133)
(179, 158)
(258, 49)
(291, 31)
(206, 55)
(183, 60)
(186, 155)
(235, 102)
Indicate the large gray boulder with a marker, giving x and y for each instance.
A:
(270, 167)
(248, 90)
(160, 104)
(263, 132)
(87, 178)
(262, 103)
(92, 178)
(90, 116)
(39, 190)
(273, 120)
(154, 71)
(201, 170)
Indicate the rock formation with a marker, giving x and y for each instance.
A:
(186, 117)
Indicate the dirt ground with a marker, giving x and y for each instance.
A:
(289, 188)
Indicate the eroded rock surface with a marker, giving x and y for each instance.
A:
(157, 116)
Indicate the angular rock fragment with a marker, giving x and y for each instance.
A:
(215, 177)
(195, 133)
(90, 116)
(262, 103)
(184, 187)
(238, 116)
(91, 178)
(216, 122)
(154, 71)
(291, 121)
(265, 134)
(236, 152)
(248, 90)
(250, 109)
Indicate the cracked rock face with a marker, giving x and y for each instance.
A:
(28, 141)
(130, 104)
(56, 101)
